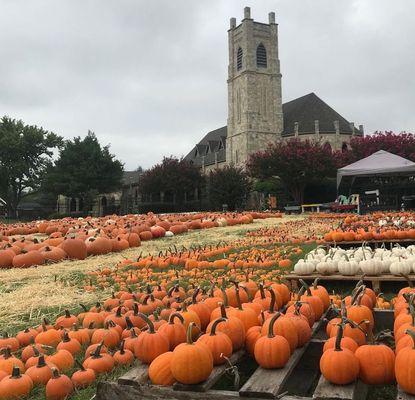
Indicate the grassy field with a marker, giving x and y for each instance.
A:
(28, 295)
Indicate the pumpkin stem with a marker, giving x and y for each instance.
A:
(411, 333)
(247, 292)
(273, 300)
(97, 352)
(194, 296)
(189, 338)
(261, 291)
(175, 315)
(356, 293)
(122, 351)
(41, 361)
(215, 324)
(223, 310)
(339, 337)
(16, 372)
(79, 364)
(225, 297)
(238, 298)
(128, 322)
(271, 325)
(315, 283)
(410, 284)
(66, 337)
(55, 373)
(7, 352)
(306, 287)
(148, 321)
(67, 314)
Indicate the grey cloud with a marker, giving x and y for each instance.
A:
(150, 77)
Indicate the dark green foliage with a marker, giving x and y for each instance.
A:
(25, 154)
(228, 185)
(176, 178)
(84, 169)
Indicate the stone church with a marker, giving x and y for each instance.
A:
(256, 114)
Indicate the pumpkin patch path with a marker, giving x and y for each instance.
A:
(27, 295)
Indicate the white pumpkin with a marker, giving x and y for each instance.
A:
(370, 267)
(348, 267)
(222, 222)
(327, 266)
(399, 267)
(169, 234)
(303, 267)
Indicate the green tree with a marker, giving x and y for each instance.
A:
(84, 169)
(174, 177)
(25, 153)
(229, 185)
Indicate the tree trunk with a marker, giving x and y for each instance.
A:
(11, 211)
(297, 192)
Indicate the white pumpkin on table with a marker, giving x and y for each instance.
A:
(348, 266)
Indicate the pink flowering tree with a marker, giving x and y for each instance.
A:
(296, 163)
(402, 144)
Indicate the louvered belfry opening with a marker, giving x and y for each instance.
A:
(261, 56)
(239, 59)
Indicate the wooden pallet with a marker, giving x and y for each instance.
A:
(371, 243)
(375, 281)
(300, 378)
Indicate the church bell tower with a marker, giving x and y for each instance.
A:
(255, 116)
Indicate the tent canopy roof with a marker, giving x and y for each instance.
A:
(381, 162)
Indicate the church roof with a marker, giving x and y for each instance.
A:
(306, 109)
(130, 177)
(210, 140)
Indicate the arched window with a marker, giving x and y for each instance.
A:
(327, 146)
(261, 56)
(72, 205)
(239, 55)
(344, 147)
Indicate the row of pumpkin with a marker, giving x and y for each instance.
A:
(112, 225)
(397, 260)
(376, 226)
(78, 242)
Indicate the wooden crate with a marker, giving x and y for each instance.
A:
(375, 280)
(372, 243)
(300, 379)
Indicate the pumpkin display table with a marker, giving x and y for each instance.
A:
(375, 281)
(372, 243)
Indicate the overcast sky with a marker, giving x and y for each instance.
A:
(149, 77)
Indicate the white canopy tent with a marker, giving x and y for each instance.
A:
(379, 163)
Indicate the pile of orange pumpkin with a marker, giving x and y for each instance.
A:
(353, 351)
(375, 226)
(169, 319)
(79, 238)
(161, 327)
(305, 230)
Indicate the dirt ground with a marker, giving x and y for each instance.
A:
(27, 295)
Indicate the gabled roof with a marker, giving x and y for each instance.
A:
(306, 109)
(381, 162)
(217, 135)
(130, 177)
